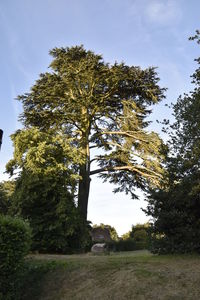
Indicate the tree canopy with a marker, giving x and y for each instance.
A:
(176, 207)
(84, 104)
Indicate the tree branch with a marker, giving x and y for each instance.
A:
(126, 133)
(94, 146)
(126, 168)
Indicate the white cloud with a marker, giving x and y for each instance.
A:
(159, 12)
(163, 12)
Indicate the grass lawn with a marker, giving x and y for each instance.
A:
(128, 275)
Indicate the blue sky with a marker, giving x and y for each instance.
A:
(139, 32)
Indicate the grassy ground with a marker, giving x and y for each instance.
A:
(129, 275)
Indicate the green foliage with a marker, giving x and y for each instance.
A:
(126, 235)
(6, 191)
(44, 192)
(136, 239)
(121, 245)
(176, 207)
(139, 234)
(125, 245)
(44, 153)
(49, 206)
(85, 103)
(15, 238)
(176, 228)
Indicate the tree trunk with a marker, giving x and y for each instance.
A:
(83, 190)
(84, 181)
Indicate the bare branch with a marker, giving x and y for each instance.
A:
(95, 146)
(93, 160)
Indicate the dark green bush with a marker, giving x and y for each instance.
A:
(176, 213)
(125, 245)
(173, 245)
(121, 245)
(55, 221)
(15, 238)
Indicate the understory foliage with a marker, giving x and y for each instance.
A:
(176, 207)
(57, 226)
(136, 239)
(15, 239)
(44, 191)
(176, 213)
(83, 104)
(123, 245)
(6, 190)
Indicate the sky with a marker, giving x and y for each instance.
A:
(139, 32)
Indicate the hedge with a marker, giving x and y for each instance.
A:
(15, 239)
(126, 245)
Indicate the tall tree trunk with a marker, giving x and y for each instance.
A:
(83, 190)
(84, 182)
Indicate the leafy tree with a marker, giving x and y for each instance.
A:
(44, 192)
(139, 232)
(6, 190)
(90, 104)
(175, 208)
(126, 235)
(50, 209)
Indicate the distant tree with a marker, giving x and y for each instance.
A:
(91, 104)
(176, 207)
(126, 235)
(139, 232)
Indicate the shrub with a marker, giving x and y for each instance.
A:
(15, 240)
(126, 245)
(173, 245)
(121, 245)
(176, 213)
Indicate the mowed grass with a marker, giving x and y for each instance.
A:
(127, 275)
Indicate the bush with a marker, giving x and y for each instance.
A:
(176, 213)
(126, 245)
(121, 245)
(15, 238)
(173, 245)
